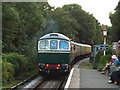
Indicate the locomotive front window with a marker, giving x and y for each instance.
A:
(63, 45)
(44, 44)
(53, 44)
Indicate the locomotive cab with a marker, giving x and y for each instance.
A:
(53, 53)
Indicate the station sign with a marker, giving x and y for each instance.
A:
(104, 47)
(115, 46)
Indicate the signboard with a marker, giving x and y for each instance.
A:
(115, 46)
(104, 47)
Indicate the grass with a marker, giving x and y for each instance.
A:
(85, 65)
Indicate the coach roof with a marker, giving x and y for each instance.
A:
(54, 36)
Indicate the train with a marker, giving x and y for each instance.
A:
(56, 52)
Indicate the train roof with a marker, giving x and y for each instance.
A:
(87, 45)
(54, 36)
(79, 44)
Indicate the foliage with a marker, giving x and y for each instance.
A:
(21, 23)
(19, 62)
(7, 71)
(84, 26)
(115, 18)
(103, 60)
(97, 59)
(14, 65)
(109, 49)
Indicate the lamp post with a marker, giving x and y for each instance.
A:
(105, 35)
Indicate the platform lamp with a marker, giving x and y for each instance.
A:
(105, 35)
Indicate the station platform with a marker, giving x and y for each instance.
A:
(74, 79)
(88, 78)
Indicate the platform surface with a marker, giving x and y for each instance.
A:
(89, 78)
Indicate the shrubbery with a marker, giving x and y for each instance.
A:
(18, 61)
(14, 65)
(103, 60)
(97, 59)
(109, 50)
(7, 71)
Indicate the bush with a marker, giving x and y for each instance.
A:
(97, 59)
(20, 62)
(103, 61)
(109, 49)
(7, 71)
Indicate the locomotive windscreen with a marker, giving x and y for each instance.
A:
(63, 45)
(44, 44)
(53, 44)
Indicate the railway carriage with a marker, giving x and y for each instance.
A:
(57, 52)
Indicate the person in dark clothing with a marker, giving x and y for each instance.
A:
(115, 76)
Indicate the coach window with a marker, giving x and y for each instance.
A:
(53, 44)
(44, 44)
(63, 45)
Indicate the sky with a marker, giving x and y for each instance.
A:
(99, 8)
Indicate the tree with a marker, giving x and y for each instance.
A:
(115, 18)
(22, 25)
(88, 26)
(66, 23)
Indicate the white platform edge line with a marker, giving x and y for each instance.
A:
(69, 79)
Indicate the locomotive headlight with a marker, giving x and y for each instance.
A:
(47, 65)
(58, 65)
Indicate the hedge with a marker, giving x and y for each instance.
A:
(20, 62)
(103, 61)
(97, 59)
(7, 71)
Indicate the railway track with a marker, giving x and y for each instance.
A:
(23, 83)
(43, 82)
(52, 82)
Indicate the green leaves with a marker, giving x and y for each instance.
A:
(115, 18)
(10, 13)
(7, 72)
(22, 23)
(14, 65)
(78, 24)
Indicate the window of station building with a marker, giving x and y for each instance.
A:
(63, 45)
(53, 44)
(44, 44)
